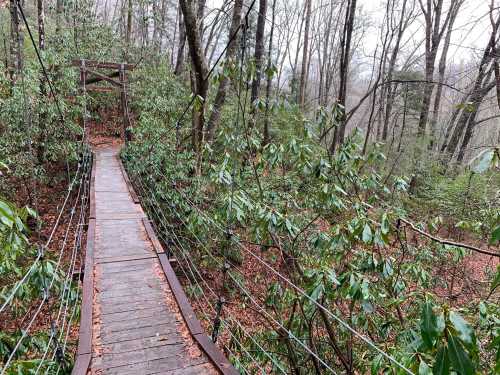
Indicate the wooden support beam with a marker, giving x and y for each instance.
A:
(124, 104)
(101, 89)
(102, 64)
(106, 78)
(92, 80)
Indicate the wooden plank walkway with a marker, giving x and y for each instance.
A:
(137, 327)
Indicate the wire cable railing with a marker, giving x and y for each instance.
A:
(152, 203)
(46, 296)
(175, 214)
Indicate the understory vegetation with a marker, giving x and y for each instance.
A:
(337, 227)
(323, 175)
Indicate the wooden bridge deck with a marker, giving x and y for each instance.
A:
(137, 327)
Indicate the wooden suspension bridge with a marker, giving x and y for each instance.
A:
(135, 316)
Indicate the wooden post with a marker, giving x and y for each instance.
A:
(83, 91)
(124, 104)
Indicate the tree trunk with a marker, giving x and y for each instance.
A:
(200, 72)
(345, 42)
(15, 42)
(269, 77)
(433, 35)
(302, 87)
(59, 16)
(259, 49)
(390, 70)
(441, 73)
(179, 66)
(41, 47)
(128, 33)
(232, 48)
(482, 86)
(200, 12)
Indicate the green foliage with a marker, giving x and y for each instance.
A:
(16, 260)
(330, 224)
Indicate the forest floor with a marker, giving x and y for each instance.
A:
(46, 199)
(462, 282)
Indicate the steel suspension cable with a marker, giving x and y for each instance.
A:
(300, 290)
(46, 245)
(45, 294)
(257, 304)
(210, 289)
(66, 291)
(44, 70)
(263, 309)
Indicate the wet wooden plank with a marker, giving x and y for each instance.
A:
(114, 259)
(153, 325)
(140, 314)
(136, 329)
(130, 306)
(169, 365)
(205, 368)
(163, 333)
(137, 356)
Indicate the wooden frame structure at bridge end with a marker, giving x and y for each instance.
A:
(89, 76)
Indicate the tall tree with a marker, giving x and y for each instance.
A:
(179, 65)
(232, 48)
(345, 55)
(467, 112)
(305, 50)
(59, 17)
(390, 91)
(16, 60)
(269, 76)
(259, 49)
(41, 47)
(41, 24)
(200, 72)
(128, 32)
(441, 71)
(434, 30)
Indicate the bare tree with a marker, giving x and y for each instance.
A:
(179, 66)
(269, 76)
(200, 72)
(232, 48)
(128, 33)
(41, 47)
(442, 69)
(305, 57)
(404, 20)
(16, 39)
(434, 31)
(467, 112)
(345, 47)
(259, 49)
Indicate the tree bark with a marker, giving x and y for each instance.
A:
(15, 42)
(259, 49)
(41, 47)
(200, 72)
(179, 66)
(441, 73)
(302, 87)
(128, 33)
(232, 48)
(59, 16)
(433, 35)
(345, 42)
(269, 77)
